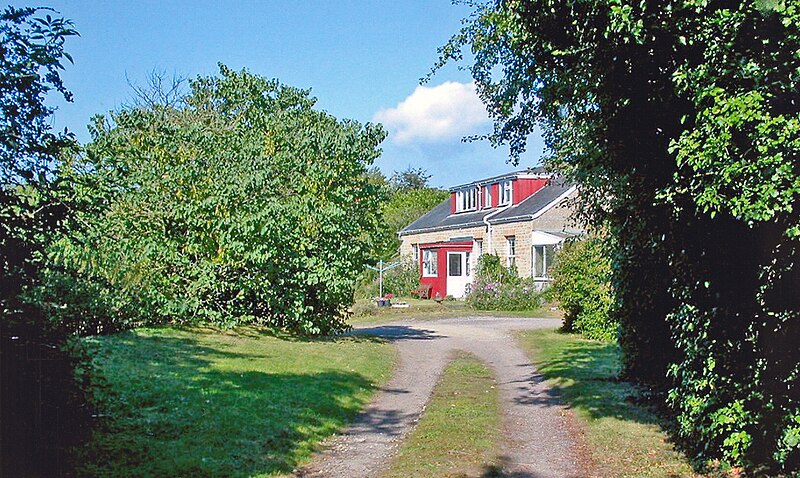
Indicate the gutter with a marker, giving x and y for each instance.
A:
(489, 226)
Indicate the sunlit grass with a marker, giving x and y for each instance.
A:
(366, 312)
(194, 403)
(624, 439)
(460, 428)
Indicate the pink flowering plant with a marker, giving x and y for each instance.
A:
(497, 287)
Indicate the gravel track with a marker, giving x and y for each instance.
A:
(537, 439)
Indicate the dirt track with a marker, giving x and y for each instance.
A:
(537, 441)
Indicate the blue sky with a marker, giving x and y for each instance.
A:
(361, 59)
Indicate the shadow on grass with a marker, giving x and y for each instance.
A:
(176, 407)
(586, 378)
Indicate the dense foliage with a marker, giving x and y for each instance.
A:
(400, 281)
(242, 204)
(582, 288)
(409, 196)
(680, 121)
(497, 287)
(40, 410)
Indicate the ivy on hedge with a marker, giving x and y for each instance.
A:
(680, 121)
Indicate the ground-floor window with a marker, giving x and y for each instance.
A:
(430, 263)
(512, 251)
(415, 251)
(543, 257)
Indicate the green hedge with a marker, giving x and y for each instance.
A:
(582, 287)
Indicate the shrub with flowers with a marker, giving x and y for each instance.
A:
(497, 287)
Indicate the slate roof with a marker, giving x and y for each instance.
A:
(440, 219)
(533, 203)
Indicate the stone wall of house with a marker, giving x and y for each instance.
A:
(521, 232)
(560, 217)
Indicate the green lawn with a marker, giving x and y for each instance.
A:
(624, 439)
(459, 431)
(209, 403)
(365, 312)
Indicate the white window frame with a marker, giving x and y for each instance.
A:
(544, 255)
(506, 192)
(511, 257)
(487, 197)
(430, 263)
(467, 199)
(415, 252)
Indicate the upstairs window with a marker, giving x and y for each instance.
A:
(430, 263)
(487, 197)
(505, 192)
(467, 200)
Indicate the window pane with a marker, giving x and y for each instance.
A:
(466, 266)
(549, 256)
(454, 267)
(538, 261)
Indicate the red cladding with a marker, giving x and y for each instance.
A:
(439, 283)
(452, 203)
(522, 189)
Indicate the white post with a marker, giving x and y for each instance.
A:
(380, 279)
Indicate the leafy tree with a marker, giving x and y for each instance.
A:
(403, 208)
(33, 365)
(679, 120)
(246, 205)
(410, 179)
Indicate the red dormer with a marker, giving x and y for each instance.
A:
(499, 191)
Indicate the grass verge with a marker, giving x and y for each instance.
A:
(459, 431)
(624, 439)
(366, 312)
(208, 403)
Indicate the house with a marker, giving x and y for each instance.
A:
(522, 217)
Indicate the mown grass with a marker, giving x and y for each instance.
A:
(624, 439)
(206, 403)
(366, 312)
(459, 431)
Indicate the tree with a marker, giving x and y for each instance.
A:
(402, 208)
(33, 364)
(679, 121)
(409, 179)
(245, 206)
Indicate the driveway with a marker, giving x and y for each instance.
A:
(537, 438)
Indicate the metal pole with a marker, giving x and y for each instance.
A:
(380, 279)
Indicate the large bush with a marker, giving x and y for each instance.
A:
(582, 287)
(399, 281)
(239, 204)
(497, 287)
(680, 121)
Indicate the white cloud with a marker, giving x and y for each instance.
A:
(433, 114)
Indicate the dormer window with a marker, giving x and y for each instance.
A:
(505, 192)
(487, 197)
(467, 200)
